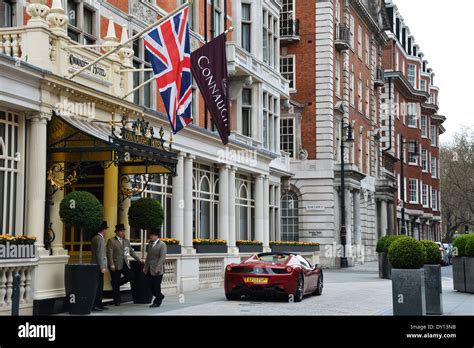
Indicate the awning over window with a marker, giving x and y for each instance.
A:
(77, 139)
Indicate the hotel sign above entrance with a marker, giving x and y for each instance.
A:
(97, 70)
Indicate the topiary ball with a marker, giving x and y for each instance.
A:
(459, 244)
(380, 248)
(145, 213)
(82, 209)
(406, 253)
(433, 254)
(469, 248)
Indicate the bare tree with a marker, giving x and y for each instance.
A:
(457, 183)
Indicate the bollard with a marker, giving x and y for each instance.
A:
(16, 295)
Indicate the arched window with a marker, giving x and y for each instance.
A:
(205, 202)
(289, 217)
(245, 208)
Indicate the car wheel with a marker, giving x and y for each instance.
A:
(319, 287)
(299, 289)
(232, 297)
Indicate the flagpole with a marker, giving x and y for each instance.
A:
(139, 86)
(136, 36)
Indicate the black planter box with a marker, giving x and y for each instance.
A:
(433, 289)
(469, 271)
(173, 249)
(81, 283)
(210, 249)
(408, 291)
(294, 248)
(141, 292)
(250, 248)
(459, 275)
(385, 267)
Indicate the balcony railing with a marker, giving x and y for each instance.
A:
(289, 29)
(10, 42)
(342, 37)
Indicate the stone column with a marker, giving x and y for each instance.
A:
(177, 201)
(357, 212)
(266, 215)
(259, 225)
(188, 206)
(224, 202)
(349, 229)
(383, 218)
(278, 217)
(36, 189)
(232, 249)
(110, 198)
(56, 223)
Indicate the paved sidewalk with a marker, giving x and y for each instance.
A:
(352, 291)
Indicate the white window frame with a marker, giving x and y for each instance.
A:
(286, 74)
(359, 94)
(424, 160)
(351, 31)
(367, 50)
(411, 72)
(424, 126)
(359, 41)
(410, 190)
(247, 22)
(351, 90)
(424, 195)
(411, 149)
(412, 115)
(367, 99)
(337, 76)
(284, 127)
(433, 166)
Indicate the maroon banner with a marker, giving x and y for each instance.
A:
(209, 67)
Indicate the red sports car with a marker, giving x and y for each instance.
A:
(286, 274)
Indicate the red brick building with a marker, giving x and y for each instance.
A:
(416, 127)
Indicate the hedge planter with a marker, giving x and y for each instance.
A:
(433, 289)
(250, 248)
(459, 275)
(173, 249)
(469, 270)
(81, 283)
(210, 248)
(408, 292)
(141, 292)
(294, 248)
(385, 268)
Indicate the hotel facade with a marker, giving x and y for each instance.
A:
(292, 87)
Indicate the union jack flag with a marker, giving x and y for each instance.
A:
(169, 51)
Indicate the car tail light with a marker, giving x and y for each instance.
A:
(228, 268)
(289, 269)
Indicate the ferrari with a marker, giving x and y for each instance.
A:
(276, 274)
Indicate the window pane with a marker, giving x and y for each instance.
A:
(88, 21)
(72, 12)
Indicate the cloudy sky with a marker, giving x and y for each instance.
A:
(444, 31)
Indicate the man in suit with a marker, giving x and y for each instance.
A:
(155, 266)
(99, 257)
(118, 252)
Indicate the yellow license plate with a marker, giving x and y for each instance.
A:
(256, 280)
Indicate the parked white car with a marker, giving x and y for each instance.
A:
(444, 254)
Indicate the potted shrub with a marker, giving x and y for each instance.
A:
(433, 285)
(145, 214)
(385, 268)
(172, 245)
(207, 246)
(84, 211)
(407, 255)
(459, 261)
(249, 246)
(295, 247)
(469, 264)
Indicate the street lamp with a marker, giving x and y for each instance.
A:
(415, 155)
(349, 139)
